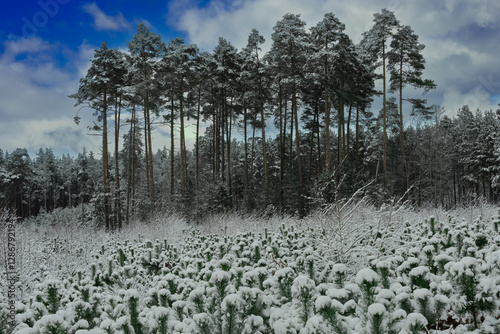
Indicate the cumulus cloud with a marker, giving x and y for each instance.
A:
(35, 110)
(106, 22)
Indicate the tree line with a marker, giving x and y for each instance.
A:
(284, 131)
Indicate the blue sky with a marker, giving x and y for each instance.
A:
(46, 45)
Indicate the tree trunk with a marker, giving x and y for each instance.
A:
(245, 135)
(228, 139)
(384, 114)
(282, 146)
(150, 147)
(117, 170)
(105, 161)
(327, 125)
(348, 135)
(403, 158)
(172, 148)
(264, 154)
(146, 151)
(182, 145)
(130, 164)
(198, 137)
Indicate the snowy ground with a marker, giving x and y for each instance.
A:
(346, 269)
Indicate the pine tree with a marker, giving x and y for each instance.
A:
(146, 49)
(324, 37)
(288, 54)
(18, 173)
(96, 90)
(257, 70)
(227, 63)
(178, 62)
(406, 65)
(375, 42)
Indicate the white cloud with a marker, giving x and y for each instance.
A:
(24, 45)
(476, 98)
(35, 110)
(106, 22)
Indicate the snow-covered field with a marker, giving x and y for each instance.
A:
(346, 269)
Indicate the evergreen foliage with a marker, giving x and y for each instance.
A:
(325, 143)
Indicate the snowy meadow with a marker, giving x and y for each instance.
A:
(348, 268)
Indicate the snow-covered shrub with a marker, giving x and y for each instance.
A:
(415, 323)
(331, 311)
(51, 324)
(340, 273)
(419, 277)
(303, 292)
(232, 314)
(157, 319)
(204, 323)
(51, 294)
(367, 280)
(477, 292)
(220, 280)
(284, 280)
(377, 315)
(6, 320)
(430, 306)
(132, 300)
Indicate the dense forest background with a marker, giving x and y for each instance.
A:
(282, 132)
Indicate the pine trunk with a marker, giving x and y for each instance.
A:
(117, 170)
(403, 158)
(105, 161)
(245, 135)
(384, 114)
(182, 146)
(172, 148)
(327, 125)
(198, 137)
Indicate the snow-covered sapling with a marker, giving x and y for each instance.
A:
(220, 280)
(384, 271)
(285, 279)
(51, 324)
(419, 277)
(179, 307)
(478, 291)
(231, 310)
(376, 317)
(339, 274)
(404, 300)
(415, 323)
(367, 280)
(158, 320)
(432, 225)
(172, 282)
(197, 299)
(51, 297)
(6, 321)
(303, 291)
(440, 261)
(331, 311)
(121, 257)
(430, 306)
(203, 323)
(254, 324)
(253, 303)
(132, 299)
